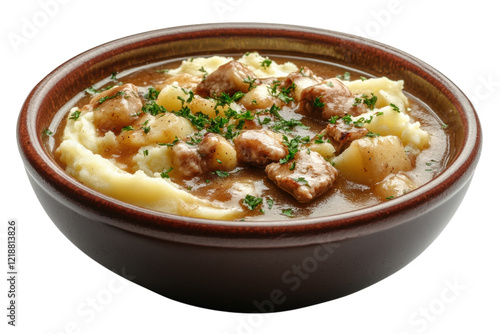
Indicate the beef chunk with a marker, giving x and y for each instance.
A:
(328, 99)
(259, 147)
(186, 159)
(300, 80)
(343, 134)
(115, 108)
(307, 176)
(229, 78)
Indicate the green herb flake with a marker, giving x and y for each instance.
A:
(145, 126)
(47, 132)
(252, 201)
(301, 179)
(105, 98)
(317, 102)
(395, 107)
(128, 128)
(287, 212)
(75, 115)
(152, 94)
(270, 203)
(266, 63)
(221, 174)
(165, 175)
(251, 82)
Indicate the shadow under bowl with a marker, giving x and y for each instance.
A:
(264, 266)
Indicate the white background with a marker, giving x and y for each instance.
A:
(453, 287)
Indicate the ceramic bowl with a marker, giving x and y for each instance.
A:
(264, 266)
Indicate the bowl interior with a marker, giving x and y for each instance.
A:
(48, 102)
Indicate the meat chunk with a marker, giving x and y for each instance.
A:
(186, 160)
(116, 108)
(229, 78)
(213, 152)
(328, 99)
(307, 176)
(300, 80)
(259, 147)
(343, 134)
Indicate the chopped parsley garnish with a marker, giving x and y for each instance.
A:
(317, 102)
(252, 201)
(165, 175)
(199, 120)
(346, 76)
(145, 153)
(128, 128)
(287, 212)
(270, 203)
(221, 173)
(153, 108)
(372, 134)
(204, 71)
(225, 99)
(75, 115)
(301, 179)
(176, 140)
(293, 148)
(251, 82)
(47, 132)
(145, 126)
(266, 63)
(152, 94)
(395, 107)
(282, 124)
(319, 139)
(369, 102)
(283, 93)
(105, 98)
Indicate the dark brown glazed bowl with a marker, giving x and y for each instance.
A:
(248, 266)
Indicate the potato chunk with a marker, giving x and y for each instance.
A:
(369, 160)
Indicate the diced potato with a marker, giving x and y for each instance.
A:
(326, 150)
(164, 128)
(394, 185)
(258, 98)
(369, 160)
(174, 98)
(170, 97)
(219, 152)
